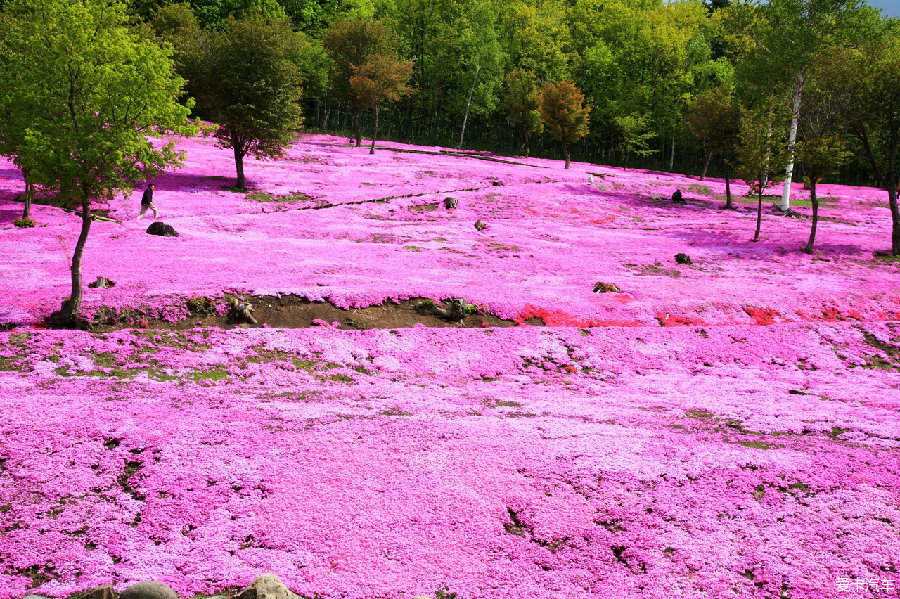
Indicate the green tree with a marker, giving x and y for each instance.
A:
(564, 113)
(352, 42)
(93, 93)
(251, 86)
(380, 79)
(14, 123)
(761, 153)
(522, 104)
(635, 136)
(867, 79)
(480, 61)
(789, 35)
(713, 119)
(214, 13)
(819, 156)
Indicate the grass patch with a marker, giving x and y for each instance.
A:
(216, 374)
(701, 190)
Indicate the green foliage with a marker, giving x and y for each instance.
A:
(349, 43)
(761, 147)
(522, 106)
(713, 118)
(822, 156)
(249, 82)
(24, 223)
(635, 135)
(214, 13)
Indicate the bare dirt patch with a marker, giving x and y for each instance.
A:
(294, 312)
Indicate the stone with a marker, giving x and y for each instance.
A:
(480, 226)
(606, 288)
(267, 586)
(102, 283)
(683, 259)
(162, 229)
(676, 197)
(104, 592)
(148, 590)
(450, 202)
(34, 597)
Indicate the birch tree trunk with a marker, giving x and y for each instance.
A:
(468, 106)
(792, 144)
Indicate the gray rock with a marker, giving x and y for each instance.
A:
(148, 590)
(683, 259)
(450, 202)
(480, 225)
(104, 592)
(267, 586)
(34, 597)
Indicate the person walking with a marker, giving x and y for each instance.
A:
(147, 202)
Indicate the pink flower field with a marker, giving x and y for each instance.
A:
(725, 428)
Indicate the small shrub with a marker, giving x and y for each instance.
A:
(23, 223)
(201, 306)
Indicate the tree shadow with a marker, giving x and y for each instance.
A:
(10, 210)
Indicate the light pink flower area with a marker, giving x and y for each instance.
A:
(753, 451)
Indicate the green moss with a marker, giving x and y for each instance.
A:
(217, 374)
(757, 444)
(702, 414)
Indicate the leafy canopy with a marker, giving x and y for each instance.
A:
(83, 95)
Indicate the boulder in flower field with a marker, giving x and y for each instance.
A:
(148, 590)
(103, 592)
(267, 586)
(162, 229)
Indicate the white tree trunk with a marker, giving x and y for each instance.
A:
(468, 106)
(792, 144)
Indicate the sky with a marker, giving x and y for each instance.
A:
(890, 8)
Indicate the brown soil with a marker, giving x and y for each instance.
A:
(293, 312)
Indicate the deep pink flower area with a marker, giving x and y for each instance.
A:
(332, 222)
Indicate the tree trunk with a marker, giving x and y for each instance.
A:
(566, 153)
(895, 220)
(375, 131)
(29, 197)
(468, 107)
(758, 214)
(705, 165)
(728, 203)
(356, 127)
(672, 153)
(792, 144)
(815, 219)
(239, 166)
(68, 314)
